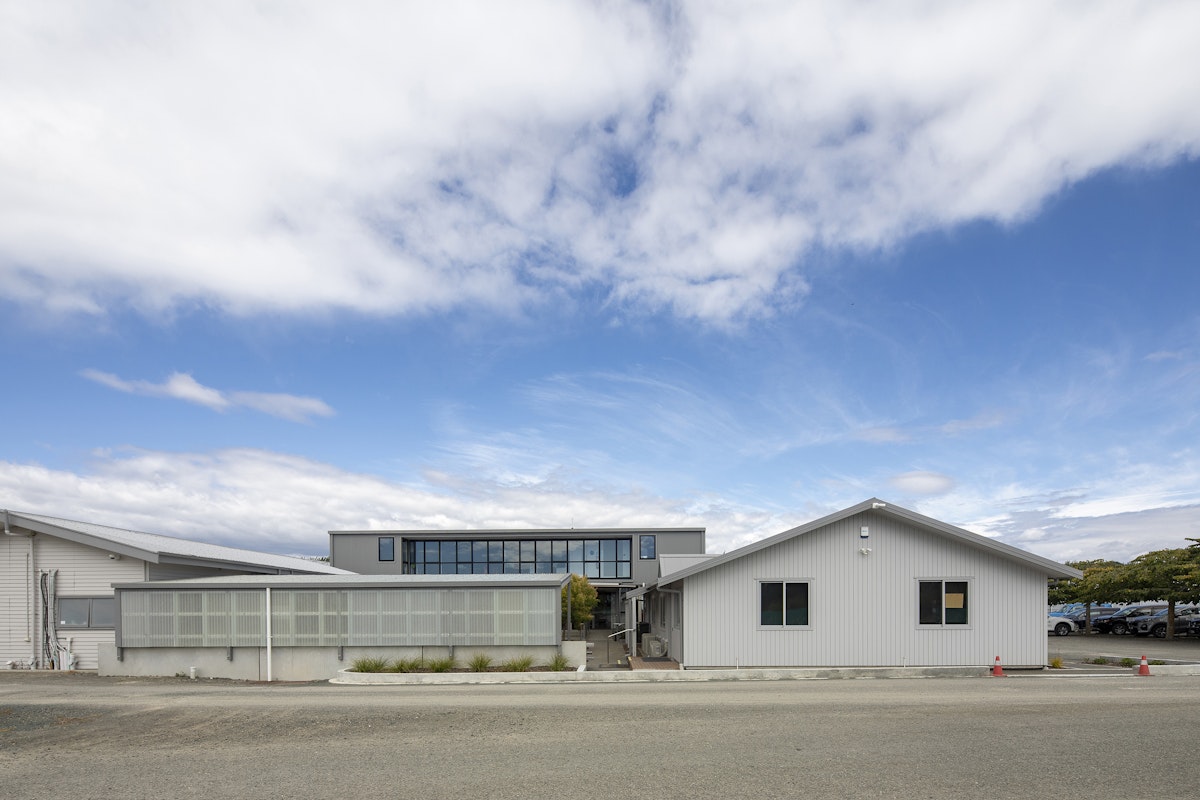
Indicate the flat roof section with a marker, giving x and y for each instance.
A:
(507, 581)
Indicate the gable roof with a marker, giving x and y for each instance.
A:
(1051, 568)
(159, 549)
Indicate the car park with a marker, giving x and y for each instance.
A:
(1118, 623)
(1059, 626)
(1079, 615)
(1156, 625)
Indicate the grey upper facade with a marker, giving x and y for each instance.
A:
(608, 557)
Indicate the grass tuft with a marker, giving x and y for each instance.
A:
(369, 664)
(480, 662)
(521, 664)
(446, 664)
(1129, 662)
(409, 665)
(1056, 662)
(1097, 660)
(559, 663)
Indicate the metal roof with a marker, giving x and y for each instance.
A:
(500, 533)
(350, 581)
(156, 548)
(1051, 568)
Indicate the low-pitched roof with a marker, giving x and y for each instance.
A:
(352, 581)
(1053, 569)
(159, 549)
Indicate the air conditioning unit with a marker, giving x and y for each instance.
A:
(654, 647)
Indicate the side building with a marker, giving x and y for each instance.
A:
(615, 560)
(873, 585)
(57, 605)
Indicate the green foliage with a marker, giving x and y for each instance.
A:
(447, 664)
(1092, 587)
(1129, 662)
(1156, 662)
(583, 600)
(1097, 660)
(369, 664)
(480, 662)
(409, 665)
(559, 663)
(521, 664)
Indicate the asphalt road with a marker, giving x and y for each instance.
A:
(81, 736)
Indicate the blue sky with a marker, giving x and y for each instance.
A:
(266, 272)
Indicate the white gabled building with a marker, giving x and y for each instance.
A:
(57, 576)
(874, 585)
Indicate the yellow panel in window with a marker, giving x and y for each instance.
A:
(955, 600)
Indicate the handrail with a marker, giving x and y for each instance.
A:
(618, 633)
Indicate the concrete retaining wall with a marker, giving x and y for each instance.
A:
(300, 663)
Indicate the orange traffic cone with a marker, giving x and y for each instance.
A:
(997, 670)
(1144, 668)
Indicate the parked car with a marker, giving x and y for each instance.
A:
(1059, 626)
(1079, 615)
(1156, 625)
(1118, 623)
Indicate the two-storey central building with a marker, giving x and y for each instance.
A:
(615, 560)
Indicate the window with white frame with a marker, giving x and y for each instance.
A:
(943, 602)
(783, 604)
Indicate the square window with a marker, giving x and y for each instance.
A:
(783, 604)
(74, 612)
(942, 603)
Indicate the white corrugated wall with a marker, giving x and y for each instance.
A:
(82, 572)
(863, 608)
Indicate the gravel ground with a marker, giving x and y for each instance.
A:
(82, 736)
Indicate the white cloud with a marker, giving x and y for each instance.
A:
(478, 154)
(182, 386)
(283, 503)
(922, 483)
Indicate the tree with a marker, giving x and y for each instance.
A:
(1100, 584)
(1169, 575)
(583, 599)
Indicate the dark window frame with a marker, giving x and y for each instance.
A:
(944, 603)
(643, 539)
(91, 611)
(794, 604)
(391, 548)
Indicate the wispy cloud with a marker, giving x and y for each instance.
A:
(285, 503)
(182, 386)
(476, 154)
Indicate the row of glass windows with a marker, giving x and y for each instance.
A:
(593, 558)
(589, 569)
(784, 604)
(516, 551)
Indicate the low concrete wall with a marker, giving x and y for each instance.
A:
(300, 663)
(652, 676)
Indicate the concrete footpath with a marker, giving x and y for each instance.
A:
(1078, 652)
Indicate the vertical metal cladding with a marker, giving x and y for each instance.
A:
(863, 607)
(340, 617)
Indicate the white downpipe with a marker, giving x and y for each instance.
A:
(268, 634)
(32, 605)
